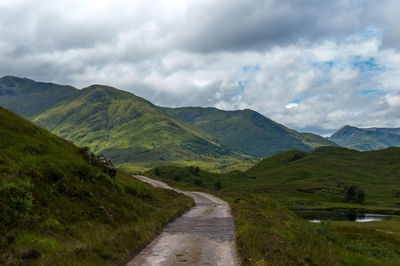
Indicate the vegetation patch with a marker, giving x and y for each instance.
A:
(57, 208)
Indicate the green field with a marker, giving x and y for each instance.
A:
(56, 208)
(263, 199)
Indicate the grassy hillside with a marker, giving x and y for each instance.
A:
(321, 176)
(132, 131)
(57, 209)
(29, 98)
(247, 131)
(366, 139)
(315, 179)
(268, 233)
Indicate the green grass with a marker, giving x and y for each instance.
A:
(57, 209)
(246, 131)
(132, 131)
(269, 233)
(29, 98)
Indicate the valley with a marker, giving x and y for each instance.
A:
(193, 149)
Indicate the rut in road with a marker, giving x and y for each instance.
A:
(205, 235)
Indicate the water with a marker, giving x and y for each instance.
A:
(316, 216)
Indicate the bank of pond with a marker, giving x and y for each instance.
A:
(353, 215)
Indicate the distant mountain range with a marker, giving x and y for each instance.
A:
(133, 131)
(247, 131)
(366, 139)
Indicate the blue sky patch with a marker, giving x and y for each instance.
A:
(372, 92)
(368, 65)
(252, 68)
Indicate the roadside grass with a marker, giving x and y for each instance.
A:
(216, 165)
(56, 208)
(268, 233)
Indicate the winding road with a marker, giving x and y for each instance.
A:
(205, 235)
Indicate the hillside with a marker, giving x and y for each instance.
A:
(57, 208)
(247, 131)
(323, 174)
(315, 180)
(29, 98)
(131, 130)
(310, 179)
(366, 139)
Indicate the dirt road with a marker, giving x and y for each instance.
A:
(205, 235)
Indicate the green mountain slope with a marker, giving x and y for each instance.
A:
(315, 180)
(131, 130)
(247, 131)
(323, 174)
(366, 139)
(56, 208)
(29, 98)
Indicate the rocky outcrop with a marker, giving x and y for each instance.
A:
(101, 161)
(108, 165)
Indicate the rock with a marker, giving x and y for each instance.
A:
(99, 160)
(30, 253)
(108, 165)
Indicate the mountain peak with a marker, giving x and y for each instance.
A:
(12, 81)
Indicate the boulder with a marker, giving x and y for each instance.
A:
(108, 165)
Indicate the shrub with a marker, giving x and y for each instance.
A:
(351, 193)
(354, 194)
(360, 196)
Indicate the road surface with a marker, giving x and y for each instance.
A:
(205, 235)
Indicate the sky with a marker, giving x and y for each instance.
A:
(311, 65)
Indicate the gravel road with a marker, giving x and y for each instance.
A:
(205, 235)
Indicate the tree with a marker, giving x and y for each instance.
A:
(351, 193)
(354, 194)
(360, 196)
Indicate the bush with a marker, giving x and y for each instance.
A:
(354, 194)
(360, 196)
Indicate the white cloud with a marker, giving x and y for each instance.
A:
(305, 65)
(291, 106)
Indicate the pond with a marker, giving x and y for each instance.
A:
(316, 216)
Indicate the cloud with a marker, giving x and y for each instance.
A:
(312, 65)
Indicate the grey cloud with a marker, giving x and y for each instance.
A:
(265, 23)
(192, 52)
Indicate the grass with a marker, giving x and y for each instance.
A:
(246, 131)
(269, 233)
(132, 131)
(59, 209)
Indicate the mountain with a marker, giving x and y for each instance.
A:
(130, 130)
(365, 139)
(247, 131)
(55, 199)
(29, 98)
